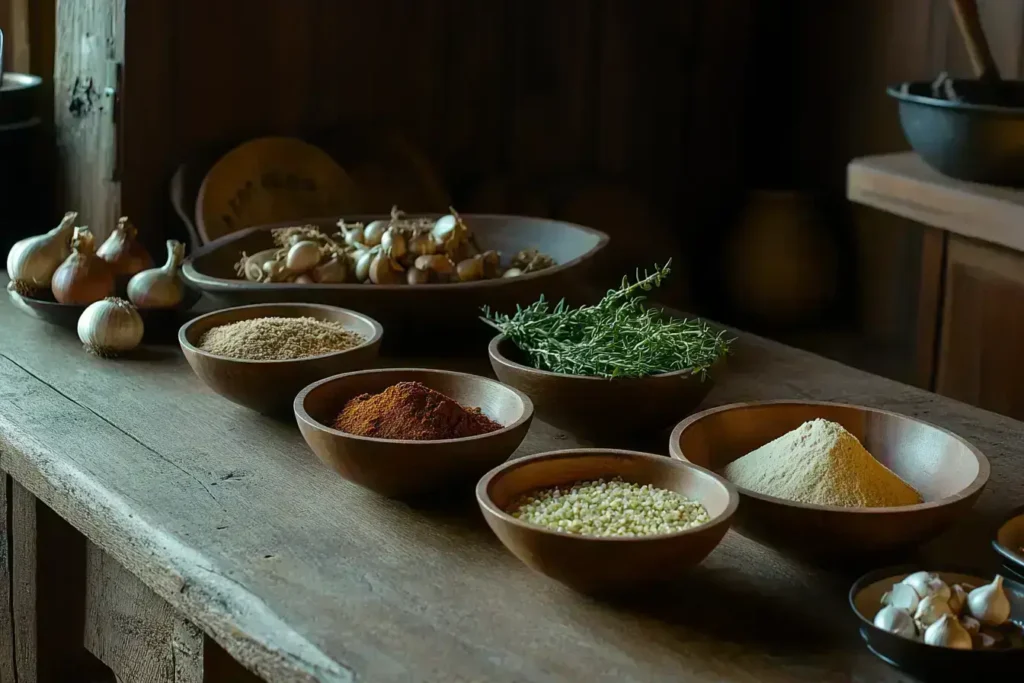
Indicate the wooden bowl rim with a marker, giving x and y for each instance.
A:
(1009, 553)
(299, 406)
(484, 499)
(984, 468)
(498, 357)
(877, 575)
(378, 332)
(190, 274)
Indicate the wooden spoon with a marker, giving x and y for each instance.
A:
(969, 21)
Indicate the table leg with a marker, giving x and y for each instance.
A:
(929, 305)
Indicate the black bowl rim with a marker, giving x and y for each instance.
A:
(895, 92)
(216, 284)
(483, 497)
(1009, 555)
(497, 356)
(301, 414)
(877, 575)
(378, 332)
(984, 468)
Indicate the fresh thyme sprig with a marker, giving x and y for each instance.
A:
(620, 336)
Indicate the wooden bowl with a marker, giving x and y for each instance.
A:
(1009, 542)
(161, 324)
(270, 386)
(448, 313)
(599, 565)
(594, 407)
(947, 471)
(927, 661)
(400, 469)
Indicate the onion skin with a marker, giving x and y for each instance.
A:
(31, 262)
(84, 277)
(110, 327)
(159, 287)
(122, 250)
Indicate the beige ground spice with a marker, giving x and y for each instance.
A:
(821, 463)
(278, 339)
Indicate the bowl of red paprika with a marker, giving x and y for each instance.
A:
(408, 432)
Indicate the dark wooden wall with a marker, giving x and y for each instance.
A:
(617, 113)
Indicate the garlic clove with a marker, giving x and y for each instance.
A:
(122, 250)
(31, 262)
(492, 264)
(160, 287)
(989, 604)
(332, 271)
(384, 271)
(110, 327)
(422, 245)
(931, 609)
(437, 263)
(972, 625)
(83, 277)
(895, 620)
(947, 632)
(927, 584)
(415, 276)
(373, 233)
(512, 272)
(302, 256)
(362, 265)
(470, 269)
(902, 596)
(393, 243)
(304, 280)
(957, 599)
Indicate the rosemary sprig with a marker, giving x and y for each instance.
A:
(620, 336)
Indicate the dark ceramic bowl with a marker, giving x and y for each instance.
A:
(1009, 542)
(928, 662)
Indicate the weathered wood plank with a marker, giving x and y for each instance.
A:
(134, 631)
(303, 577)
(7, 665)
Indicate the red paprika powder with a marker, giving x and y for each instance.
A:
(411, 411)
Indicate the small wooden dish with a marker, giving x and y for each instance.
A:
(1009, 542)
(599, 565)
(947, 471)
(600, 407)
(402, 469)
(270, 386)
(161, 324)
(928, 661)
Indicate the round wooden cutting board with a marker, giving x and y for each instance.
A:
(269, 180)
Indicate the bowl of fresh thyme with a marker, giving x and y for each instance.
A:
(617, 367)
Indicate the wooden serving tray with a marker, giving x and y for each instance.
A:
(434, 317)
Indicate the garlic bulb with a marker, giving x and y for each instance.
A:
(947, 632)
(437, 263)
(302, 256)
(362, 267)
(422, 245)
(123, 251)
(895, 620)
(331, 272)
(110, 327)
(902, 596)
(393, 243)
(373, 233)
(160, 287)
(415, 276)
(384, 271)
(931, 609)
(492, 264)
(351, 234)
(989, 604)
(512, 272)
(927, 584)
(470, 269)
(83, 277)
(32, 261)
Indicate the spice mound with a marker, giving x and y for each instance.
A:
(410, 411)
(820, 463)
(610, 508)
(278, 339)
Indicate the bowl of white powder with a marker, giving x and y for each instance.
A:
(824, 479)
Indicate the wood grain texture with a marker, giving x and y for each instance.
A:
(89, 44)
(7, 662)
(902, 184)
(302, 576)
(982, 330)
(135, 632)
(931, 290)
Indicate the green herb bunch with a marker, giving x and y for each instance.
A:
(620, 336)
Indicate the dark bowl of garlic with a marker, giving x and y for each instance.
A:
(413, 273)
(941, 622)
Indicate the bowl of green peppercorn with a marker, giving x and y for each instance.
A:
(616, 368)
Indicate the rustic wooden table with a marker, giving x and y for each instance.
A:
(198, 528)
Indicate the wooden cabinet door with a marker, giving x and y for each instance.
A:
(981, 355)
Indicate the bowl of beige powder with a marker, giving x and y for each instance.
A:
(261, 356)
(824, 479)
